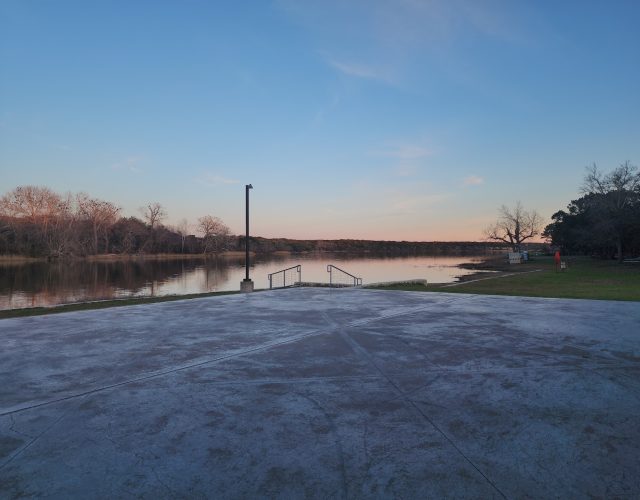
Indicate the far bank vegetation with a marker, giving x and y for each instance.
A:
(36, 222)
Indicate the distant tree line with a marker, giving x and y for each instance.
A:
(38, 222)
(605, 220)
(372, 247)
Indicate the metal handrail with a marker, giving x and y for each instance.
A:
(298, 269)
(356, 281)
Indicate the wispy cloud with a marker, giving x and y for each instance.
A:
(404, 170)
(472, 180)
(359, 70)
(397, 41)
(408, 157)
(129, 164)
(213, 179)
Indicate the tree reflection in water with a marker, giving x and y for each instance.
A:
(44, 284)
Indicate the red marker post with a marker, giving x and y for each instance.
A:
(556, 259)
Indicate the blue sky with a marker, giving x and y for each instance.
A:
(397, 119)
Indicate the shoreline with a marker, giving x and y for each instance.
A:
(489, 266)
(115, 257)
(585, 279)
(497, 265)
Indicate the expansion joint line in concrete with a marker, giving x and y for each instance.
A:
(374, 319)
(21, 450)
(268, 345)
(363, 353)
(150, 376)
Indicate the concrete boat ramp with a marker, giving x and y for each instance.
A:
(324, 393)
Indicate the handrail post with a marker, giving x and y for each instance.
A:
(297, 268)
(355, 280)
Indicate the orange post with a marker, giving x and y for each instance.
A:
(556, 259)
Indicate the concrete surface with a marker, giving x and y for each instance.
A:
(324, 393)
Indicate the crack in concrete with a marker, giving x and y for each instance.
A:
(21, 450)
(292, 381)
(13, 429)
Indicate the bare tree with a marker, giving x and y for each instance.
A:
(182, 228)
(33, 203)
(611, 200)
(45, 210)
(102, 215)
(61, 234)
(514, 225)
(215, 233)
(130, 234)
(154, 214)
(623, 180)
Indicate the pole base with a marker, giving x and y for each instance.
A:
(246, 286)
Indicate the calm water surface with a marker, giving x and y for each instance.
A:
(46, 284)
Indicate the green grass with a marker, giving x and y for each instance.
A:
(103, 304)
(584, 279)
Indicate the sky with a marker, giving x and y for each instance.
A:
(376, 119)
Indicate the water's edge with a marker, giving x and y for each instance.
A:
(42, 284)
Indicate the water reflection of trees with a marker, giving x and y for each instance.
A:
(40, 283)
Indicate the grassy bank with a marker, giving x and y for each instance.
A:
(103, 304)
(585, 278)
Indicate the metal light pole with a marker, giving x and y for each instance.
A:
(246, 285)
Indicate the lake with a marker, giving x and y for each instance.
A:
(46, 284)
